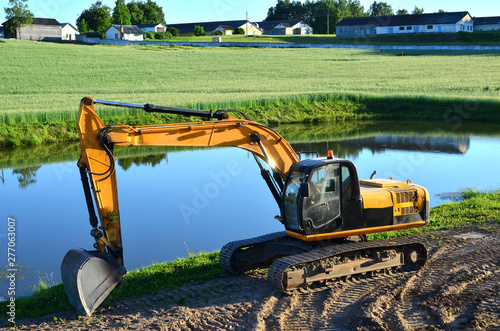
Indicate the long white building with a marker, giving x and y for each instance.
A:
(404, 24)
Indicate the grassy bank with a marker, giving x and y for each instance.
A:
(196, 267)
(306, 109)
(477, 209)
(286, 85)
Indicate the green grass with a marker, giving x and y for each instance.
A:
(476, 208)
(312, 109)
(44, 82)
(195, 267)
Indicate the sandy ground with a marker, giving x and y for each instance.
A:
(458, 288)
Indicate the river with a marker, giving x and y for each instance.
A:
(175, 201)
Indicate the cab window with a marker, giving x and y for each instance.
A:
(346, 187)
(291, 196)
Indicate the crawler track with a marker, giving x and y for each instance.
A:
(324, 267)
(320, 265)
(228, 252)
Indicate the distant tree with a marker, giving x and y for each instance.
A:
(83, 27)
(418, 10)
(324, 17)
(239, 30)
(121, 13)
(355, 8)
(441, 11)
(402, 12)
(380, 9)
(316, 13)
(199, 30)
(97, 18)
(152, 13)
(17, 14)
(286, 10)
(173, 31)
(217, 33)
(136, 14)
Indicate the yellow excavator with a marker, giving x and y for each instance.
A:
(325, 209)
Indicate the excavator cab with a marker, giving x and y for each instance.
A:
(318, 195)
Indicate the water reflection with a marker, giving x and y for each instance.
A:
(351, 148)
(148, 160)
(26, 176)
(445, 144)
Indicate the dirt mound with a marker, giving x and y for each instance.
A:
(458, 288)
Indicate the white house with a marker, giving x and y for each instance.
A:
(125, 32)
(155, 27)
(68, 31)
(288, 27)
(403, 24)
(249, 28)
(227, 27)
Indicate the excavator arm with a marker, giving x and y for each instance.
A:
(97, 160)
(89, 276)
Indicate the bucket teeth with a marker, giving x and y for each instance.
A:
(89, 277)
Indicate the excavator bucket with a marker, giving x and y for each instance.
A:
(88, 278)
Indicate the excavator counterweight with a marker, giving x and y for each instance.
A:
(322, 202)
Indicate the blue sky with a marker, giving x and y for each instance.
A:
(184, 11)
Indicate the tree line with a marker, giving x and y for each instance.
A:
(99, 17)
(323, 15)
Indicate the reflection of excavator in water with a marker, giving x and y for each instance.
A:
(321, 200)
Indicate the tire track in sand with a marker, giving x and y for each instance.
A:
(457, 288)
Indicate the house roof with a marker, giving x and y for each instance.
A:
(226, 27)
(42, 21)
(267, 25)
(487, 20)
(398, 20)
(208, 26)
(128, 29)
(142, 26)
(45, 21)
(71, 25)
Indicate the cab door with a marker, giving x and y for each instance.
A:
(321, 208)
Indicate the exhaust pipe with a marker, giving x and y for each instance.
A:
(88, 278)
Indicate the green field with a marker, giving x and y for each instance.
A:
(45, 81)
